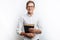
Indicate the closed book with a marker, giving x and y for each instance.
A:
(27, 26)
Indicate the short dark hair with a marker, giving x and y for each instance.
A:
(30, 2)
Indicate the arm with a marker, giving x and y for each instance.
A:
(29, 35)
(38, 31)
(22, 33)
(20, 26)
(32, 30)
(39, 25)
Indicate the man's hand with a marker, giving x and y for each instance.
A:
(22, 34)
(32, 30)
(30, 35)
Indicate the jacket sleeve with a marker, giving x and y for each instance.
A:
(20, 25)
(39, 24)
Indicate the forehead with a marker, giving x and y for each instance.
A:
(30, 4)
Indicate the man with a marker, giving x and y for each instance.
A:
(29, 19)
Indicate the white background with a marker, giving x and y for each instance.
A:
(49, 11)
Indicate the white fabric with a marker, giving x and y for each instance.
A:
(27, 19)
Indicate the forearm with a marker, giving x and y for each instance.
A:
(22, 33)
(29, 35)
(31, 30)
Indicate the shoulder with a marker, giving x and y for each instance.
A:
(37, 16)
(22, 16)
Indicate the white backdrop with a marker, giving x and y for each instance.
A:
(49, 11)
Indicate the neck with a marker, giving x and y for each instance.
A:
(30, 14)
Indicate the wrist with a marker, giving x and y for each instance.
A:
(22, 33)
(29, 35)
(38, 31)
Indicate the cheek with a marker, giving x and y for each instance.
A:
(30, 9)
(27, 8)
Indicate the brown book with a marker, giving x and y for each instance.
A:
(27, 26)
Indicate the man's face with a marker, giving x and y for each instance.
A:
(30, 7)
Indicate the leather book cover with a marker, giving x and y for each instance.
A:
(27, 26)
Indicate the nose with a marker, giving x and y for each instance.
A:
(30, 8)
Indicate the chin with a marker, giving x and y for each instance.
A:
(30, 12)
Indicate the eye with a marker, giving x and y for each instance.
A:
(30, 6)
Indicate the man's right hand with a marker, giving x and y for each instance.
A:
(22, 33)
(30, 35)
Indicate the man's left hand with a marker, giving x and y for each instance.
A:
(32, 30)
